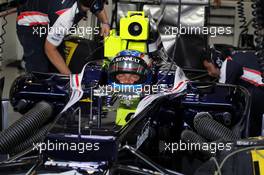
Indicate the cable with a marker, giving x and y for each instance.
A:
(241, 16)
(2, 40)
(217, 165)
(145, 159)
(242, 19)
(218, 171)
(258, 25)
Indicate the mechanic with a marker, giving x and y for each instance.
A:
(240, 69)
(43, 53)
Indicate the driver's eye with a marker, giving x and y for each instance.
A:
(135, 77)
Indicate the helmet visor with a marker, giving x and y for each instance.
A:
(128, 65)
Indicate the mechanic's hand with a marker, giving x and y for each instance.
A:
(217, 3)
(105, 29)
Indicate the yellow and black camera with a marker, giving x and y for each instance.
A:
(133, 34)
(135, 26)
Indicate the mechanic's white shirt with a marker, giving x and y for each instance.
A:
(222, 78)
(249, 75)
(62, 25)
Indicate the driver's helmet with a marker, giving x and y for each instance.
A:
(131, 63)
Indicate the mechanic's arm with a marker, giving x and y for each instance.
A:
(55, 58)
(102, 16)
(55, 37)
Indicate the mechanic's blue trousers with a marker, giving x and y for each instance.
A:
(34, 55)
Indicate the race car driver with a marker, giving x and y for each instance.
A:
(129, 67)
(42, 53)
(240, 69)
(127, 78)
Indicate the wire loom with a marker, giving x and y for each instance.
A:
(2, 40)
(258, 24)
(242, 17)
(9, 10)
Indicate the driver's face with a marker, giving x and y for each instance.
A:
(127, 78)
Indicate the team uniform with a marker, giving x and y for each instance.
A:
(242, 69)
(56, 18)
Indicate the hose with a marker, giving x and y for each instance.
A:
(258, 25)
(34, 139)
(210, 129)
(189, 136)
(25, 126)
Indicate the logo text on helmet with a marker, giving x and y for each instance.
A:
(128, 58)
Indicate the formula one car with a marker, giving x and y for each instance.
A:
(89, 124)
(191, 112)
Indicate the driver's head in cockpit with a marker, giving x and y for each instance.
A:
(128, 67)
